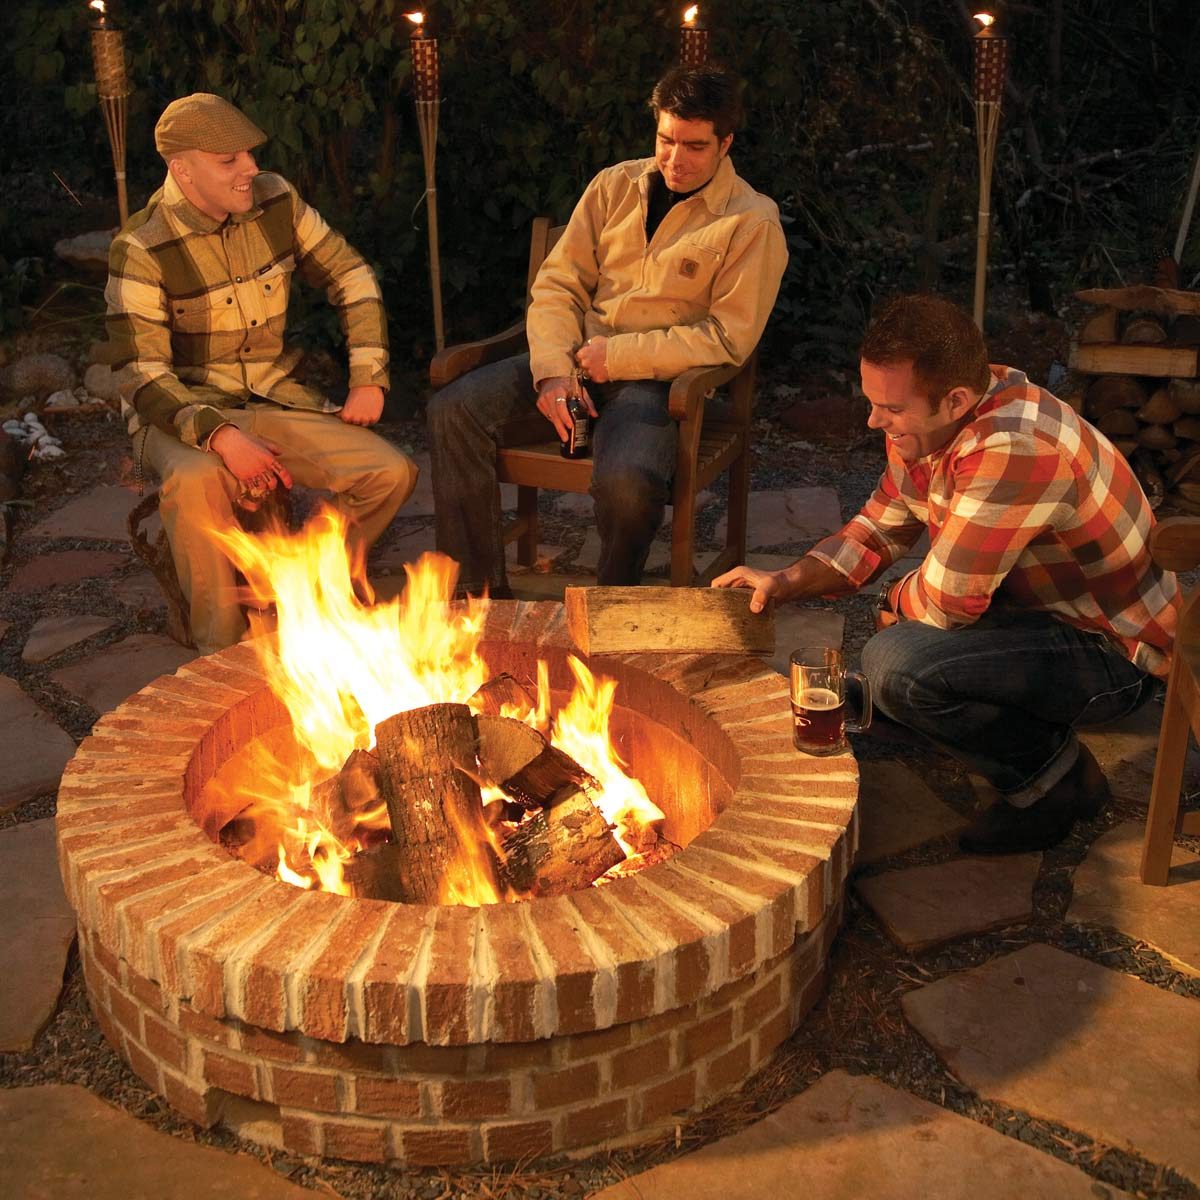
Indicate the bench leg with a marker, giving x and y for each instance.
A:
(1163, 816)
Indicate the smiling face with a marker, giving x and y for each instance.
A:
(913, 426)
(217, 184)
(688, 152)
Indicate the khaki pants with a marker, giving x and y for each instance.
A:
(368, 476)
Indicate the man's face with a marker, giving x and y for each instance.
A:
(217, 184)
(903, 412)
(688, 152)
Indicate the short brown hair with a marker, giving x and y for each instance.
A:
(943, 344)
(700, 94)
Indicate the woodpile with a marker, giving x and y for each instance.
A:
(1142, 350)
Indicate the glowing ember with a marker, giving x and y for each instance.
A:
(341, 665)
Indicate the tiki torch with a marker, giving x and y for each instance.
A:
(693, 39)
(425, 90)
(112, 89)
(991, 70)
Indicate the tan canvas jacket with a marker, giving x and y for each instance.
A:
(197, 308)
(698, 295)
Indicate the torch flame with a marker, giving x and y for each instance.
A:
(98, 5)
(985, 19)
(690, 14)
(341, 666)
(417, 18)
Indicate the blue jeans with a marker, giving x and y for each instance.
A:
(1004, 695)
(633, 453)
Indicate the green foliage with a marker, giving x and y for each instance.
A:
(859, 124)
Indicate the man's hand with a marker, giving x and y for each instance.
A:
(254, 461)
(364, 406)
(552, 403)
(767, 585)
(592, 356)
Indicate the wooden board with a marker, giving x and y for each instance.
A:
(613, 620)
(1164, 301)
(1110, 358)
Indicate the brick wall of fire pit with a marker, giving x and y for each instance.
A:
(373, 1031)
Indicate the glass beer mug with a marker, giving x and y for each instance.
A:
(818, 691)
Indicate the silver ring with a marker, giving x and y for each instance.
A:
(560, 399)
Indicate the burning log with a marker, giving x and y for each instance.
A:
(376, 874)
(560, 849)
(427, 760)
(340, 798)
(499, 692)
(613, 620)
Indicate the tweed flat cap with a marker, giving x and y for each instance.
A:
(203, 121)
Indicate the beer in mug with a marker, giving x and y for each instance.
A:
(818, 693)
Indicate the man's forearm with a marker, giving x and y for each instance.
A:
(808, 577)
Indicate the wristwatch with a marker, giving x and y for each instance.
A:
(883, 598)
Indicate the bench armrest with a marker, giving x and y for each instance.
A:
(689, 389)
(447, 365)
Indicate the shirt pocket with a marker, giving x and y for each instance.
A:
(687, 270)
(275, 281)
(204, 314)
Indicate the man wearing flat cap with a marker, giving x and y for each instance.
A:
(197, 306)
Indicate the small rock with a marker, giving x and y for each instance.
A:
(86, 250)
(62, 399)
(38, 375)
(101, 383)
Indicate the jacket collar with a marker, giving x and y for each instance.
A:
(716, 191)
(185, 213)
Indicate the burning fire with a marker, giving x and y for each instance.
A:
(342, 664)
(690, 14)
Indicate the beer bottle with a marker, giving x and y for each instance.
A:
(578, 442)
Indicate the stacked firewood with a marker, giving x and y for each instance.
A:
(1142, 350)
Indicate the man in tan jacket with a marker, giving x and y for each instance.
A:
(667, 263)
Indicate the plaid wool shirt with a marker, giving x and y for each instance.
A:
(1030, 505)
(197, 308)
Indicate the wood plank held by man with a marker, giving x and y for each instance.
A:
(613, 620)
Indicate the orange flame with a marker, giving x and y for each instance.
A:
(690, 14)
(341, 666)
(985, 19)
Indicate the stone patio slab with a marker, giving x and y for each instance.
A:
(849, 1137)
(800, 515)
(797, 626)
(52, 635)
(100, 514)
(115, 673)
(59, 1142)
(898, 811)
(588, 558)
(925, 906)
(140, 591)
(1126, 751)
(1108, 892)
(1075, 1043)
(67, 566)
(405, 549)
(33, 749)
(37, 927)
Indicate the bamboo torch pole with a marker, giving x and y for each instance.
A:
(112, 90)
(991, 71)
(426, 90)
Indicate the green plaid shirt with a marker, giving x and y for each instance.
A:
(197, 308)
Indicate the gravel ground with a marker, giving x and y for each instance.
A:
(858, 1025)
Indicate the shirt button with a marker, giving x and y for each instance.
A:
(228, 299)
(266, 287)
(238, 279)
(253, 322)
(179, 311)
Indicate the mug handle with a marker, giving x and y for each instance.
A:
(863, 722)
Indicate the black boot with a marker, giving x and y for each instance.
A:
(1004, 829)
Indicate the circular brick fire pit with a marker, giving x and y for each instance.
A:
(367, 1030)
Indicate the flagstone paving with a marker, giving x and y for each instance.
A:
(796, 626)
(66, 566)
(101, 514)
(53, 635)
(59, 1142)
(33, 749)
(1108, 892)
(801, 515)
(140, 591)
(1075, 1043)
(116, 672)
(1126, 750)
(850, 1136)
(37, 927)
(898, 811)
(925, 906)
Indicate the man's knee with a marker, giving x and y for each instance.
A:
(901, 665)
(195, 482)
(628, 496)
(445, 410)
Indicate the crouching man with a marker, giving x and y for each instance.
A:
(1037, 607)
(197, 306)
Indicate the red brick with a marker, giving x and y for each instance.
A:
(247, 680)
(263, 1043)
(86, 822)
(568, 1086)
(468, 1099)
(304, 1089)
(446, 990)
(670, 1096)
(557, 924)
(387, 1097)
(349, 1056)
(302, 1135)
(144, 1065)
(105, 958)
(514, 1056)
(420, 1059)
(513, 1143)
(165, 1043)
(436, 1147)
(197, 688)
(517, 976)
(112, 1035)
(595, 1124)
(726, 1070)
(125, 1012)
(603, 1041)
(770, 1034)
(146, 990)
(199, 1025)
(635, 956)
(385, 984)
(322, 987)
(200, 1105)
(641, 1063)
(706, 1036)
(231, 1074)
(361, 1141)
(725, 997)
(651, 1027)
(103, 899)
(763, 1001)
(261, 998)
